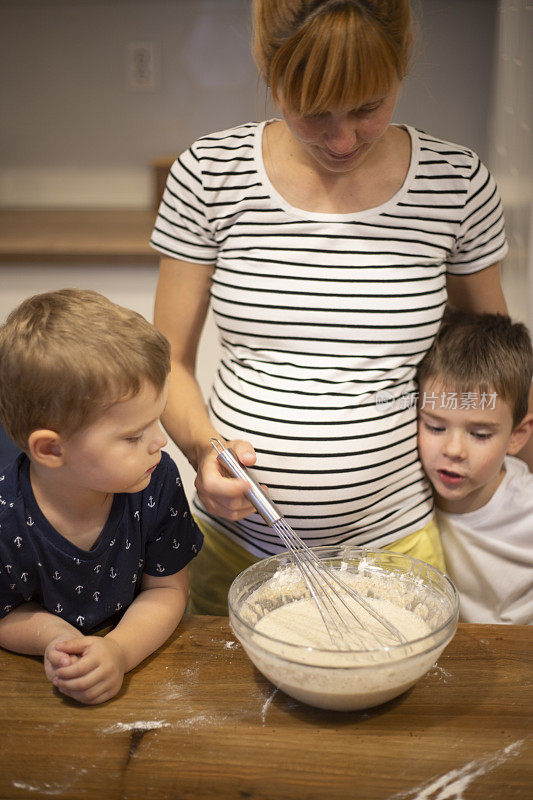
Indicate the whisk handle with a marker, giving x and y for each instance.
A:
(255, 494)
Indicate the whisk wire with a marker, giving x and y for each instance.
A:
(329, 602)
(302, 553)
(313, 586)
(322, 582)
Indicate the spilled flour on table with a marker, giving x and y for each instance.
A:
(172, 691)
(198, 720)
(267, 704)
(440, 673)
(191, 674)
(187, 723)
(140, 725)
(51, 788)
(44, 789)
(452, 785)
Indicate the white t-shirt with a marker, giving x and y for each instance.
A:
(489, 552)
(320, 317)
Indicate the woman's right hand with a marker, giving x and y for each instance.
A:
(221, 495)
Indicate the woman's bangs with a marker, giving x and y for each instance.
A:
(341, 66)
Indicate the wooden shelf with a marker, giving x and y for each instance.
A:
(77, 235)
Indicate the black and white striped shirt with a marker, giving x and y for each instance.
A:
(323, 319)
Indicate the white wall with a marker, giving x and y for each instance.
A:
(74, 133)
(511, 148)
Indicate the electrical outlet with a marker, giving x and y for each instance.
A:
(142, 66)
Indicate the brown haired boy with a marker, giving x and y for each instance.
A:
(95, 526)
(473, 399)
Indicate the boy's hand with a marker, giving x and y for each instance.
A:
(54, 658)
(97, 673)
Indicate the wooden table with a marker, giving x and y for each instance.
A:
(198, 721)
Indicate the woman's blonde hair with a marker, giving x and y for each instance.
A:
(323, 54)
(67, 356)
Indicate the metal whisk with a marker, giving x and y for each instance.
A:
(324, 584)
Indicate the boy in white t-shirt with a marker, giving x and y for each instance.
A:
(473, 399)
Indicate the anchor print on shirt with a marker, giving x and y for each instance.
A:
(137, 516)
(2, 501)
(29, 521)
(159, 568)
(150, 502)
(96, 595)
(79, 621)
(173, 512)
(58, 609)
(78, 589)
(56, 576)
(18, 541)
(113, 573)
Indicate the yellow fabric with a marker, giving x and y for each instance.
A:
(221, 559)
(210, 574)
(424, 544)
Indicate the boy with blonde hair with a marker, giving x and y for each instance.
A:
(95, 528)
(473, 402)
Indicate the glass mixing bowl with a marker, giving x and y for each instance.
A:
(354, 678)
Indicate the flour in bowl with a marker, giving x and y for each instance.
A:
(290, 644)
(300, 623)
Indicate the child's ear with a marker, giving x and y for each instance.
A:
(520, 435)
(46, 448)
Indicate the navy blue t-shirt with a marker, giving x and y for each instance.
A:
(150, 531)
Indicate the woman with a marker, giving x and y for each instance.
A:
(328, 242)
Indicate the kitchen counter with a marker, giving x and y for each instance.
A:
(197, 720)
(77, 235)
